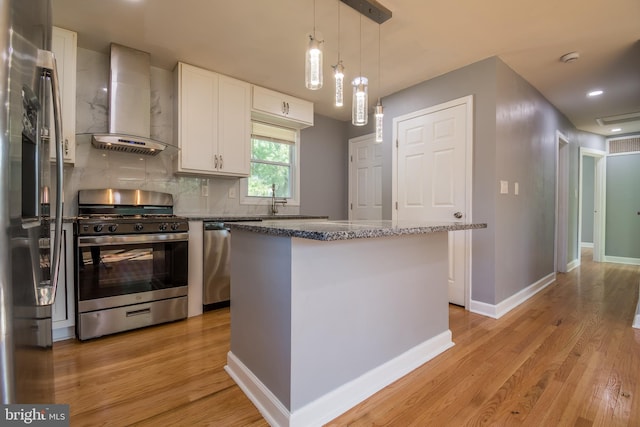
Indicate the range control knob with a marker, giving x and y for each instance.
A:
(162, 227)
(97, 228)
(175, 226)
(138, 227)
(113, 227)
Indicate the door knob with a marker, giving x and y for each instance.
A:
(458, 215)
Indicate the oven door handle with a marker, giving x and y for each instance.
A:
(110, 240)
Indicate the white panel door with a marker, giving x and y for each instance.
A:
(365, 178)
(432, 180)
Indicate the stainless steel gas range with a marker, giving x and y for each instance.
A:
(131, 261)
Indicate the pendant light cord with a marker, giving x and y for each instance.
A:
(361, 43)
(314, 19)
(379, 68)
(338, 31)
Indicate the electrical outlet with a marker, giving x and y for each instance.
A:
(504, 187)
(232, 192)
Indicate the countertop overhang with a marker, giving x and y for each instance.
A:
(344, 230)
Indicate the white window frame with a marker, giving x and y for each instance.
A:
(294, 200)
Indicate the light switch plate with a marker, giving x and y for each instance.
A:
(204, 188)
(232, 192)
(504, 187)
(516, 188)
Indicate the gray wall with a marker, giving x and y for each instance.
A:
(623, 205)
(324, 180)
(526, 147)
(514, 140)
(588, 193)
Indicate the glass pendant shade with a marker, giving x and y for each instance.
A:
(313, 65)
(359, 116)
(379, 114)
(339, 76)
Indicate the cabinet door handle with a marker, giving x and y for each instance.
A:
(287, 108)
(66, 147)
(284, 107)
(215, 161)
(220, 161)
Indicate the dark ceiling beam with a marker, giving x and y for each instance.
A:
(371, 9)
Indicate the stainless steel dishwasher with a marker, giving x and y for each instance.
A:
(216, 265)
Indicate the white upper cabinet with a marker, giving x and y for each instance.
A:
(64, 46)
(278, 108)
(213, 123)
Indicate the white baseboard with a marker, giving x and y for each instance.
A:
(61, 334)
(586, 245)
(622, 260)
(505, 306)
(340, 400)
(636, 320)
(573, 264)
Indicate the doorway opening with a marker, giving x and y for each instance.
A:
(591, 204)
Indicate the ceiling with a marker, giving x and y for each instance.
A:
(264, 42)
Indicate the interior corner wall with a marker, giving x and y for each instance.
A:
(477, 79)
(324, 169)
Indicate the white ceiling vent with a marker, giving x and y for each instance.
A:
(624, 145)
(619, 119)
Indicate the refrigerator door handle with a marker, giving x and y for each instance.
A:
(47, 61)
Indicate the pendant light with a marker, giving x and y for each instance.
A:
(379, 114)
(313, 63)
(338, 71)
(360, 105)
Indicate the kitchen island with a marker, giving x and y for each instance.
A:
(326, 313)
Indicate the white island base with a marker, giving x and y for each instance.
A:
(319, 326)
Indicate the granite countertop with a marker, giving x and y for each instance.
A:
(345, 230)
(231, 218)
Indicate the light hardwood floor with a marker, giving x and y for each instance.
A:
(566, 357)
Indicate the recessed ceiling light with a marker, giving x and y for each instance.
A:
(616, 129)
(595, 93)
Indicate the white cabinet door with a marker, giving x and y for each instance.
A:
(300, 110)
(234, 126)
(64, 47)
(281, 109)
(197, 119)
(63, 310)
(214, 123)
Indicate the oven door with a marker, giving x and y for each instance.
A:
(118, 270)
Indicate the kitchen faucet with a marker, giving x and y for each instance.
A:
(274, 202)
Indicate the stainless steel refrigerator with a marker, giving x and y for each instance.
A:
(30, 200)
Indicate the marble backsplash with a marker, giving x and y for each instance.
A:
(109, 169)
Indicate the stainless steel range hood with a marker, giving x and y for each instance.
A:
(129, 104)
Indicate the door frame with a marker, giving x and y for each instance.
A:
(467, 101)
(561, 238)
(599, 158)
(350, 153)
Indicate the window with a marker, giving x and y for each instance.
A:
(274, 160)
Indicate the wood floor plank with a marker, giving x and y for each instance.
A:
(567, 356)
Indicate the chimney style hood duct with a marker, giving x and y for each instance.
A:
(129, 104)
